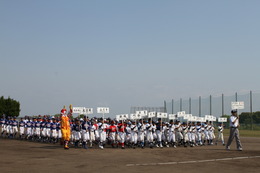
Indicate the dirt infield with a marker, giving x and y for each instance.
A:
(25, 156)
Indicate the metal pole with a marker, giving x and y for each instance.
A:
(210, 105)
(200, 106)
(236, 101)
(180, 104)
(172, 106)
(222, 105)
(251, 109)
(190, 105)
(165, 109)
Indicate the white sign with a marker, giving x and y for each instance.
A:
(222, 120)
(237, 105)
(181, 114)
(203, 119)
(77, 110)
(151, 114)
(208, 117)
(122, 117)
(87, 111)
(193, 118)
(161, 115)
(187, 116)
(143, 113)
(172, 116)
(102, 110)
(200, 119)
(133, 116)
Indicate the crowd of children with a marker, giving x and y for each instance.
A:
(90, 132)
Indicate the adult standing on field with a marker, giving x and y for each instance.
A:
(234, 132)
(65, 126)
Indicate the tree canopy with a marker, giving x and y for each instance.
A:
(9, 107)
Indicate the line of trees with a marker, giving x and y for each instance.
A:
(9, 107)
(247, 117)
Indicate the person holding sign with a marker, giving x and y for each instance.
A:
(220, 134)
(122, 134)
(234, 132)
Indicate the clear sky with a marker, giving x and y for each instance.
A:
(126, 53)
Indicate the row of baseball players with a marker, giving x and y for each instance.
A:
(85, 132)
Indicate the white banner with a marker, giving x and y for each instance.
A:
(222, 120)
(151, 114)
(172, 116)
(181, 114)
(237, 105)
(102, 110)
(161, 115)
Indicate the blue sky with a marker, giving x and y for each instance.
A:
(126, 53)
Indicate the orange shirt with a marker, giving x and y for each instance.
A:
(65, 123)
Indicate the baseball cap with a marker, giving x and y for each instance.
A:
(234, 111)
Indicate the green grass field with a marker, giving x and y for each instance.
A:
(245, 133)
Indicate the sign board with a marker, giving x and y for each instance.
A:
(133, 116)
(102, 110)
(143, 113)
(122, 117)
(76, 110)
(87, 111)
(203, 119)
(237, 105)
(208, 117)
(161, 115)
(181, 114)
(187, 116)
(151, 114)
(222, 120)
(172, 116)
(193, 118)
(200, 119)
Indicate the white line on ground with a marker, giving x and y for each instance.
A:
(236, 158)
(223, 159)
(211, 160)
(193, 161)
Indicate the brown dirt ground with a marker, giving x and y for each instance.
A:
(25, 156)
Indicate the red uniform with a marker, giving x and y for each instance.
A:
(121, 127)
(112, 128)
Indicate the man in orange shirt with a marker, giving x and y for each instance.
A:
(65, 126)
